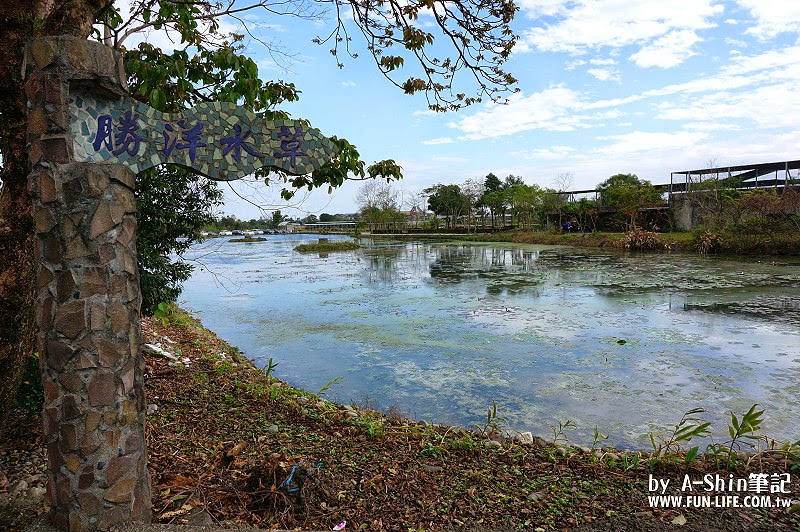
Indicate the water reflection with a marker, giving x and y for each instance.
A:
(625, 342)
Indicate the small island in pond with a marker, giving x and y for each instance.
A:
(248, 239)
(324, 246)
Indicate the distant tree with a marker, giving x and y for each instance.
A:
(629, 195)
(491, 199)
(472, 191)
(512, 180)
(378, 203)
(525, 202)
(277, 218)
(447, 201)
(325, 217)
(310, 219)
(563, 182)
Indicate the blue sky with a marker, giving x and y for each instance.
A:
(606, 86)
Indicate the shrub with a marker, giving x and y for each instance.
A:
(640, 240)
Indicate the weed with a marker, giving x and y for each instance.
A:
(329, 384)
(742, 431)
(558, 432)
(269, 369)
(493, 422)
(597, 437)
(686, 429)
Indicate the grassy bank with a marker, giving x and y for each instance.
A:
(231, 444)
(720, 242)
(381, 471)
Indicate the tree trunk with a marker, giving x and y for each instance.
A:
(17, 254)
(17, 257)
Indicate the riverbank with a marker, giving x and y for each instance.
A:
(721, 242)
(231, 444)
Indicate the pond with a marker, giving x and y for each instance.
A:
(440, 330)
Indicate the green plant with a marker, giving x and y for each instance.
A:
(742, 431)
(162, 312)
(687, 428)
(597, 437)
(493, 422)
(271, 365)
(558, 432)
(329, 384)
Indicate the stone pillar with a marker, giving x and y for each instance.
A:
(88, 298)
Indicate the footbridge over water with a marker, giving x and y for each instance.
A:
(775, 175)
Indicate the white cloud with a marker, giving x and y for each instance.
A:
(348, 83)
(549, 109)
(440, 140)
(551, 153)
(773, 17)
(668, 51)
(604, 74)
(640, 141)
(584, 25)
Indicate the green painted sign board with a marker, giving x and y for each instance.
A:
(221, 141)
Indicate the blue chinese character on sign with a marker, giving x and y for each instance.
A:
(291, 146)
(127, 139)
(105, 129)
(237, 143)
(190, 137)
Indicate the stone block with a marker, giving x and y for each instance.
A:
(89, 444)
(110, 354)
(129, 415)
(51, 250)
(51, 390)
(123, 175)
(65, 287)
(118, 467)
(71, 381)
(43, 52)
(70, 407)
(107, 253)
(127, 231)
(116, 515)
(73, 462)
(35, 153)
(43, 220)
(55, 149)
(68, 439)
(47, 188)
(90, 503)
(120, 317)
(74, 190)
(86, 478)
(102, 389)
(94, 281)
(97, 318)
(33, 87)
(43, 277)
(92, 420)
(98, 182)
(126, 376)
(110, 418)
(80, 56)
(122, 491)
(58, 354)
(102, 221)
(85, 361)
(112, 438)
(44, 313)
(70, 318)
(54, 91)
(55, 458)
(132, 444)
(77, 248)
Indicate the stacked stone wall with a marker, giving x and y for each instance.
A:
(88, 299)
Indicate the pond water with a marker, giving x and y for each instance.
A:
(440, 330)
